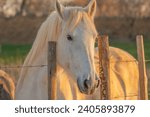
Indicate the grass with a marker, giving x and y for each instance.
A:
(131, 48)
(13, 54)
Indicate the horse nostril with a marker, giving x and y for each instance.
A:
(87, 84)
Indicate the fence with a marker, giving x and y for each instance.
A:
(103, 45)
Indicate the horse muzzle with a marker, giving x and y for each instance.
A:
(87, 87)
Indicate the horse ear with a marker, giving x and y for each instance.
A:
(91, 8)
(59, 8)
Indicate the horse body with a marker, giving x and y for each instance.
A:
(7, 86)
(124, 79)
(74, 31)
(124, 75)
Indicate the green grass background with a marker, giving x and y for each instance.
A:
(11, 53)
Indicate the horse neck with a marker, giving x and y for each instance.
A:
(49, 31)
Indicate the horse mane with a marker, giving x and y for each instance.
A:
(50, 31)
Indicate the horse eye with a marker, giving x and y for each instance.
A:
(69, 38)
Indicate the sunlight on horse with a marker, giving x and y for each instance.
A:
(7, 86)
(74, 31)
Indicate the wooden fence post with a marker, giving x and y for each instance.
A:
(142, 68)
(103, 45)
(52, 71)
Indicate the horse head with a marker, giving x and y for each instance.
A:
(75, 45)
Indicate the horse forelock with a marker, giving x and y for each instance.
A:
(74, 16)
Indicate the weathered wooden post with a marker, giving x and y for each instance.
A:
(103, 45)
(52, 71)
(142, 68)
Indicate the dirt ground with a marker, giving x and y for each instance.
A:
(24, 29)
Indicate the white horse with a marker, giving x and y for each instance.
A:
(74, 31)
